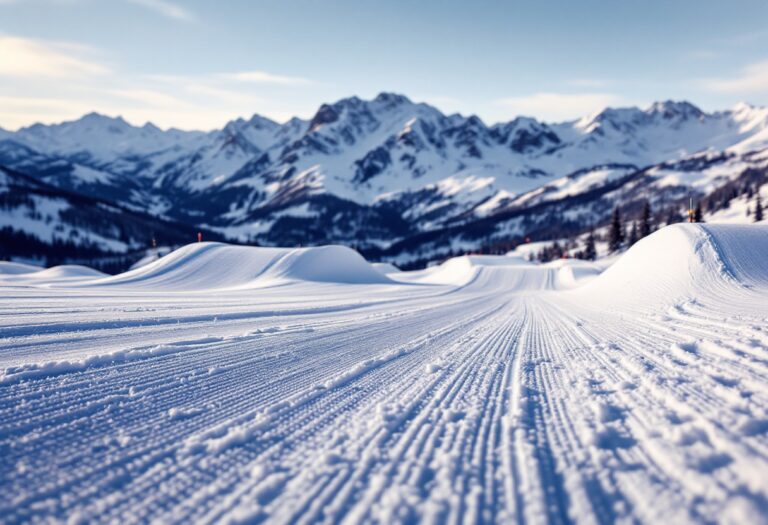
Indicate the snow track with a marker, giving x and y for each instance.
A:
(496, 398)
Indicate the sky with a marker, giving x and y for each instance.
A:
(195, 64)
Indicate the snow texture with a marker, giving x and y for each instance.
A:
(244, 385)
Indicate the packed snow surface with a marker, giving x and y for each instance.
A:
(243, 385)
(212, 266)
(18, 274)
(15, 268)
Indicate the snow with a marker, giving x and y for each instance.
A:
(152, 255)
(678, 260)
(433, 169)
(736, 212)
(104, 138)
(15, 268)
(200, 267)
(385, 268)
(39, 217)
(236, 384)
(23, 274)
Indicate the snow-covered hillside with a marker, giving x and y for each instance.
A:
(44, 224)
(236, 384)
(375, 173)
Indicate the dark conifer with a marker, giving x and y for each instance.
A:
(633, 234)
(645, 221)
(590, 251)
(758, 208)
(697, 214)
(616, 236)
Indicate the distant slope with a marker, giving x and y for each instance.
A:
(216, 266)
(40, 222)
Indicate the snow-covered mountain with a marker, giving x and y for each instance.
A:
(387, 172)
(46, 224)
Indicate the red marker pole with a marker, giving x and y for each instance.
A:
(199, 236)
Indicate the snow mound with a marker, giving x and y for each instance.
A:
(151, 256)
(459, 271)
(386, 268)
(208, 266)
(27, 275)
(14, 268)
(687, 260)
(67, 271)
(487, 272)
(571, 273)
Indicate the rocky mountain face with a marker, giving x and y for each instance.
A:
(399, 180)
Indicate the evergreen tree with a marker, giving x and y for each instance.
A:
(590, 252)
(555, 252)
(633, 234)
(726, 200)
(645, 221)
(697, 214)
(758, 208)
(616, 236)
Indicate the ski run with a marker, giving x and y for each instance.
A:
(225, 384)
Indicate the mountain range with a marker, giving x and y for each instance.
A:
(399, 180)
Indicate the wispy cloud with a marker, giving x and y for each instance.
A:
(588, 82)
(557, 106)
(148, 97)
(262, 77)
(16, 111)
(43, 81)
(25, 57)
(744, 39)
(752, 79)
(246, 100)
(167, 9)
(703, 54)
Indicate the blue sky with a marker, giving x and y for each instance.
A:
(198, 63)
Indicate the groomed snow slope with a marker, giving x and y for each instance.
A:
(217, 266)
(489, 395)
(686, 260)
(14, 268)
(460, 271)
(24, 274)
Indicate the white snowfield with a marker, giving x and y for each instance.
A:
(244, 385)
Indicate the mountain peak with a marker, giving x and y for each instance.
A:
(620, 119)
(326, 114)
(745, 107)
(348, 102)
(260, 121)
(670, 109)
(97, 118)
(391, 99)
